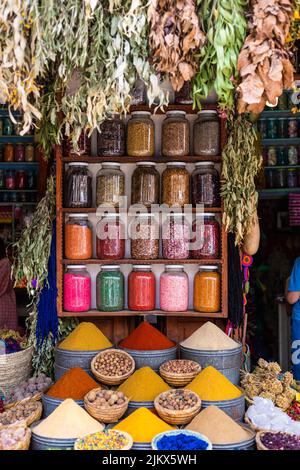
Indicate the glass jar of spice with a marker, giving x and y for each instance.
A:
(272, 156)
(110, 185)
(140, 135)
(8, 153)
(184, 95)
(111, 139)
(175, 135)
(145, 184)
(78, 237)
(29, 153)
(174, 289)
(292, 127)
(282, 128)
(291, 178)
(21, 179)
(207, 290)
(110, 240)
(10, 179)
(206, 237)
(292, 155)
(206, 185)
(281, 178)
(8, 127)
(144, 235)
(110, 289)
(77, 289)
(83, 145)
(207, 133)
(141, 288)
(19, 153)
(175, 184)
(175, 237)
(78, 186)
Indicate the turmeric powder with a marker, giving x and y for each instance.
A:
(143, 385)
(211, 385)
(85, 337)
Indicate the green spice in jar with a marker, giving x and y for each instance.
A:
(140, 135)
(110, 289)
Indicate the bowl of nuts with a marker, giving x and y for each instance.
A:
(177, 406)
(112, 366)
(107, 406)
(179, 372)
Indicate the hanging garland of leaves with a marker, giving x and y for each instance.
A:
(225, 26)
(241, 163)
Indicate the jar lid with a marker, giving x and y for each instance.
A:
(176, 111)
(174, 266)
(111, 214)
(176, 164)
(145, 214)
(146, 163)
(208, 267)
(208, 111)
(141, 266)
(138, 113)
(111, 164)
(78, 164)
(110, 266)
(204, 164)
(78, 216)
(76, 266)
(205, 214)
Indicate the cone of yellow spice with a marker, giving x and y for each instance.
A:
(143, 385)
(211, 385)
(143, 425)
(85, 337)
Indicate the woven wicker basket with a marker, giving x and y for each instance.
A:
(127, 447)
(15, 368)
(36, 397)
(177, 416)
(254, 428)
(35, 415)
(258, 436)
(179, 380)
(108, 415)
(21, 445)
(112, 380)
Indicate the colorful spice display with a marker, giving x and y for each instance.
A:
(113, 363)
(143, 425)
(67, 421)
(146, 338)
(280, 441)
(143, 385)
(85, 337)
(209, 337)
(29, 388)
(181, 441)
(211, 385)
(218, 427)
(75, 383)
(103, 399)
(19, 412)
(108, 440)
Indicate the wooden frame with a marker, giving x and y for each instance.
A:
(61, 261)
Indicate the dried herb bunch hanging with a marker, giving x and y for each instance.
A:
(263, 64)
(225, 26)
(174, 36)
(242, 160)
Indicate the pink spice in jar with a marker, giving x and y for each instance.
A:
(77, 290)
(174, 289)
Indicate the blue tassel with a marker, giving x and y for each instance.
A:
(47, 320)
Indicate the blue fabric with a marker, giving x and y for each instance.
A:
(181, 442)
(295, 334)
(294, 285)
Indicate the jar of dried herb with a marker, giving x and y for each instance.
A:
(175, 135)
(145, 184)
(144, 235)
(175, 184)
(110, 185)
(207, 133)
(111, 139)
(110, 289)
(140, 135)
(78, 186)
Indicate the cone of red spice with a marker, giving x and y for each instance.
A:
(75, 384)
(146, 338)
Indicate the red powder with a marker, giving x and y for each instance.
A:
(146, 338)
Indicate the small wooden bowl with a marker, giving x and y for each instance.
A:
(25, 443)
(177, 417)
(128, 436)
(108, 415)
(117, 380)
(179, 380)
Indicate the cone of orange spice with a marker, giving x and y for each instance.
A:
(75, 384)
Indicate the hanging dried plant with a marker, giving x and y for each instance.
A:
(174, 36)
(264, 66)
(242, 160)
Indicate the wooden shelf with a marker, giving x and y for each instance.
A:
(93, 210)
(130, 313)
(142, 261)
(125, 159)
(188, 108)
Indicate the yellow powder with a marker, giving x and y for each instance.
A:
(85, 337)
(218, 427)
(143, 385)
(67, 421)
(211, 385)
(209, 337)
(143, 425)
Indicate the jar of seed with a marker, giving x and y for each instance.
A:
(140, 135)
(175, 184)
(110, 185)
(111, 139)
(207, 133)
(145, 184)
(144, 235)
(175, 237)
(175, 134)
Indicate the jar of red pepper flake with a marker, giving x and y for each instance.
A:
(21, 179)
(205, 237)
(141, 288)
(10, 179)
(110, 237)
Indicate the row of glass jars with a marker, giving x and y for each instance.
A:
(7, 127)
(178, 242)
(138, 138)
(177, 186)
(20, 179)
(173, 289)
(17, 153)
(279, 128)
(279, 156)
(282, 178)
